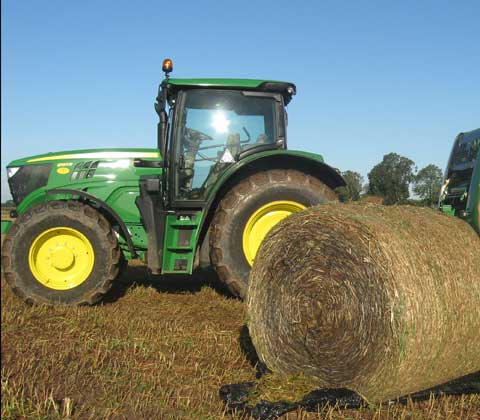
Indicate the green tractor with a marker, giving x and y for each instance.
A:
(460, 194)
(220, 178)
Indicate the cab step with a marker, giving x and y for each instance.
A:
(180, 233)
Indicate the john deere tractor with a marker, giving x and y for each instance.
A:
(460, 195)
(219, 179)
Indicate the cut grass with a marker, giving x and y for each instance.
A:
(151, 351)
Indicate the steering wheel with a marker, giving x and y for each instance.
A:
(196, 135)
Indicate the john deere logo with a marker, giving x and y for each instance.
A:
(63, 170)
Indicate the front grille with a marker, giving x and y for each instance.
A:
(84, 170)
(27, 179)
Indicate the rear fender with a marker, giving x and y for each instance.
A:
(309, 163)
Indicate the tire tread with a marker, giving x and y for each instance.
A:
(84, 211)
(233, 200)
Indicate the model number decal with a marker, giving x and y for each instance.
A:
(63, 170)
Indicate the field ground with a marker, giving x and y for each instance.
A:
(151, 351)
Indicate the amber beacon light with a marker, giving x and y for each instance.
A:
(167, 65)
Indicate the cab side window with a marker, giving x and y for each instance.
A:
(214, 128)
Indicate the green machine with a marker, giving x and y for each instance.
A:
(460, 194)
(219, 179)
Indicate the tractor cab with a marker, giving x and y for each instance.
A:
(211, 124)
(460, 193)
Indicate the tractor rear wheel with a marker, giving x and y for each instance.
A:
(61, 253)
(248, 212)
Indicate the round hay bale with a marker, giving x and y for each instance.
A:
(382, 300)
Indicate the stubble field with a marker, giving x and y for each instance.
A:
(152, 350)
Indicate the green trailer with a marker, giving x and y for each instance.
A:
(219, 179)
(460, 194)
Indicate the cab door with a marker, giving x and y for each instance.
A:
(212, 129)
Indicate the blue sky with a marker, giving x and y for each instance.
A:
(373, 77)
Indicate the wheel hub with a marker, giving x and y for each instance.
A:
(262, 221)
(61, 258)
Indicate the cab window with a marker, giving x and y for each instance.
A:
(214, 127)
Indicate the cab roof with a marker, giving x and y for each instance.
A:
(286, 89)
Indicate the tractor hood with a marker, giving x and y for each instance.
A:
(117, 153)
(74, 168)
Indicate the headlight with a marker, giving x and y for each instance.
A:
(12, 170)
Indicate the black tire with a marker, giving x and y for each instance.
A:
(74, 215)
(240, 203)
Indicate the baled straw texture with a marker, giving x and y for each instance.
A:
(382, 300)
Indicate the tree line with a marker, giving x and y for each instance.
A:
(392, 180)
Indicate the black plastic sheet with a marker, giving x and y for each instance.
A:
(235, 396)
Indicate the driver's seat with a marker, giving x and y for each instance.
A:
(233, 144)
(225, 158)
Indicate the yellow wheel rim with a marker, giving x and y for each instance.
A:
(61, 258)
(260, 223)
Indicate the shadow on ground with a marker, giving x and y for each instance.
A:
(137, 275)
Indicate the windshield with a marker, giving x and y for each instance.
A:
(214, 127)
(465, 151)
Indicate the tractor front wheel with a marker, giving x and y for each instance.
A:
(248, 212)
(61, 253)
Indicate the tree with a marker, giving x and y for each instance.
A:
(427, 184)
(391, 178)
(353, 189)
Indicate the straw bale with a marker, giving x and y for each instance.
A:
(384, 301)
